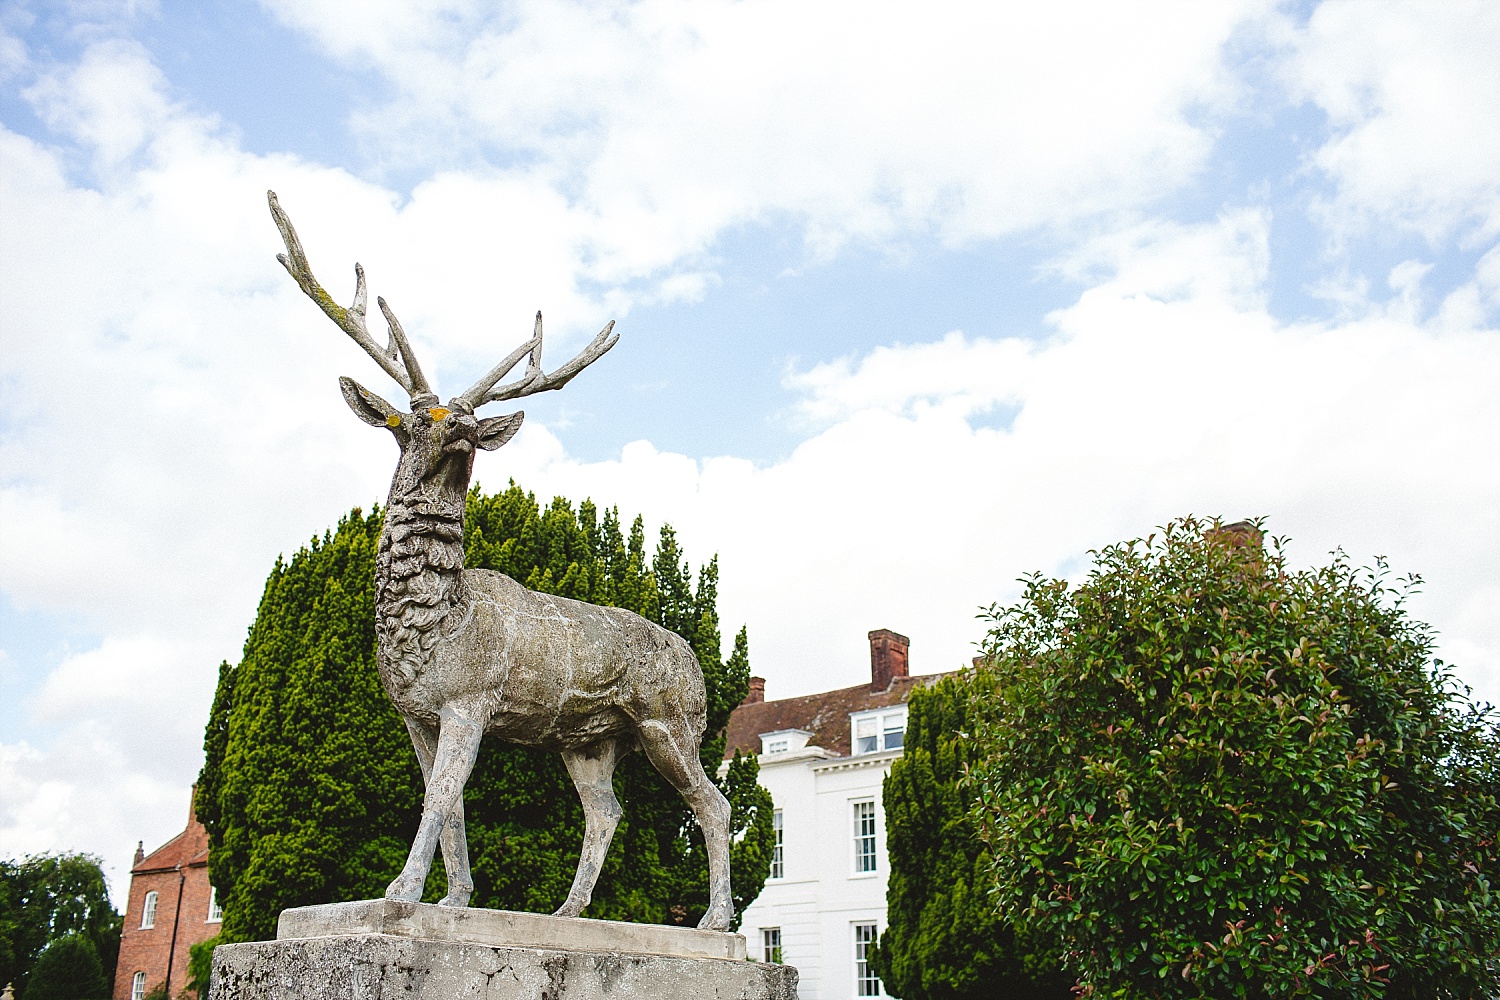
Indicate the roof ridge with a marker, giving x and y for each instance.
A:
(146, 861)
(181, 849)
(824, 713)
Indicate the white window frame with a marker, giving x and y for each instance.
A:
(893, 723)
(215, 911)
(857, 818)
(866, 983)
(770, 945)
(782, 741)
(778, 844)
(881, 726)
(148, 910)
(138, 986)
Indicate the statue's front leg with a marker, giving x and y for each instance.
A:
(457, 748)
(454, 839)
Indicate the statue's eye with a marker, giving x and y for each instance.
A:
(437, 413)
(393, 420)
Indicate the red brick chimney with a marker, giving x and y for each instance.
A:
(757, 691)
(887, 658)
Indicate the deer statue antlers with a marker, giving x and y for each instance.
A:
(397, 358)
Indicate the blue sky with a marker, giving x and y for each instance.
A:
(911, 306)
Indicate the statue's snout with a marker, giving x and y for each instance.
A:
(458, 431)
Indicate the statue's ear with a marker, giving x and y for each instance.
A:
(495, 431)
(367, 406)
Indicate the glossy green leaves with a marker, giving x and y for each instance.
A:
(1203, 773)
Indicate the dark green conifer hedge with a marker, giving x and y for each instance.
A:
(944, 937)
(311, 792)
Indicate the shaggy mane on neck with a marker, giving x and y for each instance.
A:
(418, 581)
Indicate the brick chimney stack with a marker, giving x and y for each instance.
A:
(757, 691)
(887, 658)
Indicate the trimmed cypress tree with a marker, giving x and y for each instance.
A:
(310, 790)
(944, 939)
(68, 970)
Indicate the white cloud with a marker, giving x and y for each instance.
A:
(127, 729)
(1147, 259)
(112, 100)
(1469, 303)
(961, 376)
(86, 795)
(1157, 395)
(1412, 98)
(669, 121)
(142, 676)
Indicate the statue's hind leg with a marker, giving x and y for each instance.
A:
(674, 753)
(592, 770)
(454, 839)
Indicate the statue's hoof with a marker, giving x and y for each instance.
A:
(458, 899)
(405, 889)
(568, 909)
(718, 918)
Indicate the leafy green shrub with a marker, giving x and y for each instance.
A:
(1206, 774)
(49, 896)
(200, 964)
(68, 970)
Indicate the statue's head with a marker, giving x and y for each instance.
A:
(437, 441)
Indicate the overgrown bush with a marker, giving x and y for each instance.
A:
(1204, 773)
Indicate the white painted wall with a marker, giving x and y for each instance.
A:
(821, 897)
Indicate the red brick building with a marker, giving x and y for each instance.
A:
(171, 907)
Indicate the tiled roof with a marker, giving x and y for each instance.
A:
(825, 715)
(188, 849)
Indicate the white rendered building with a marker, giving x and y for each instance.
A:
(823, 758)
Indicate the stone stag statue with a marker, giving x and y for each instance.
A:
(466, 651)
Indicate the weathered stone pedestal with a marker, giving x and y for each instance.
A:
(380, 950)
